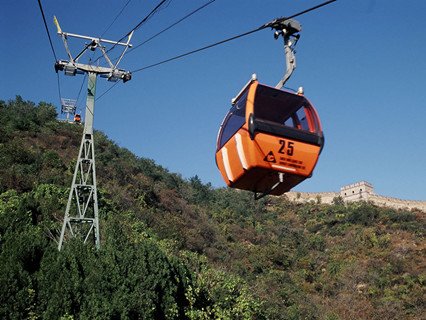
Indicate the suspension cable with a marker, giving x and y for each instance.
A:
(106, 91)
(199, 49)
(266, 25)
(47, 30)
(157, 34)
(172, 25)
(116, 17)
(81, 87)
(51, 46)
(153, 11)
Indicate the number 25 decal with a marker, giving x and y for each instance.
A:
(286, 148)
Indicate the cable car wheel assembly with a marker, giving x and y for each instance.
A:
(271, 138)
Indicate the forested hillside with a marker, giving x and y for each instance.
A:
(175, 248)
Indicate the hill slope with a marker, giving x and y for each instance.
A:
(177, 248)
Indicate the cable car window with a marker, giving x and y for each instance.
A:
(234, 120)
(289, 122)
(301, 114)
(280, 107)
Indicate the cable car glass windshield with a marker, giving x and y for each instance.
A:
(283, 108)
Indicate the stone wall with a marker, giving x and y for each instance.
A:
(322, 197)
(397, 203)
(327, 197)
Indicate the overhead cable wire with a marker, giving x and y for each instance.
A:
(266, 25)
(59, 86)
(150, 15)
(116, 17)
(160, 32)
(51, 46)
(153, 11)
(81, 87)
(197, 50)
(172, 25)
(47, 29)
(105, 92)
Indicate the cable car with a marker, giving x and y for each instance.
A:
(269, 141)
(77, 118)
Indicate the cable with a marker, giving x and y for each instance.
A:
(51, 46)
(47, 29)
(105, 92)
(116, 17)
(198, 50)
(59, 87)
(311, 9)
(269, 24)
(81, 87)
(146, 18)
(172, 25)
(157, 34)
(153, 11)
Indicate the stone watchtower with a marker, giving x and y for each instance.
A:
(357, 191)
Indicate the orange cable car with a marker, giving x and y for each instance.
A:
(271, 139)
(77, 118)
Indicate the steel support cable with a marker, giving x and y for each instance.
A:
(153, 11)
(106, 91)
(47, 29)
(269, 24)
(172, 25)
(81, 87)
(51, 46)
(59, 87)
(198, 50)
(135, 28)
(116, 17)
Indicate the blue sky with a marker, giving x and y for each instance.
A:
(362, 64)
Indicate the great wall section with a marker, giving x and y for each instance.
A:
(356, 192)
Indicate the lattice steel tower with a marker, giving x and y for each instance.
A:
(81, 214)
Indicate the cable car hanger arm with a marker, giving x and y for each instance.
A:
(289, 29)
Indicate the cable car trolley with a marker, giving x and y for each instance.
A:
(271, 139)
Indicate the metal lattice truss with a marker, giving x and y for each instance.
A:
(82, 214)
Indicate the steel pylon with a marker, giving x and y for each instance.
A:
(82, 214)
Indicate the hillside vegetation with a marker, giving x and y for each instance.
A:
(175, 248)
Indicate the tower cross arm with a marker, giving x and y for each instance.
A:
(125, 44)
(71, 66)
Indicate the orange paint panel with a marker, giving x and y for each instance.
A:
(221, 166)
(229, 163)
(285, 155)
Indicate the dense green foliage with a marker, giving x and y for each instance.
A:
(173, 248)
